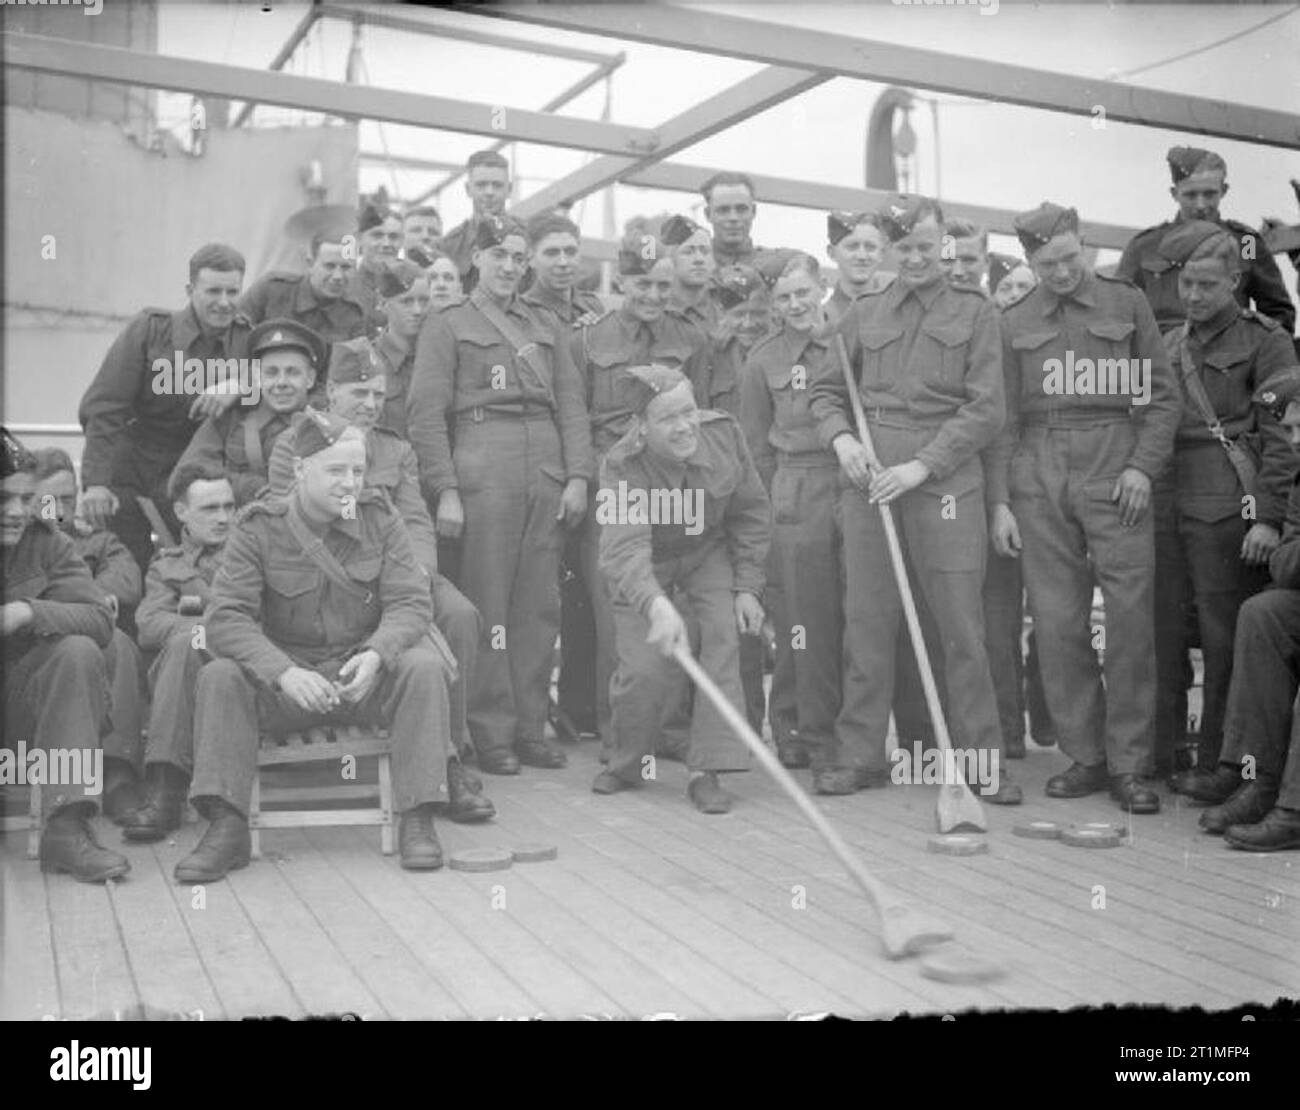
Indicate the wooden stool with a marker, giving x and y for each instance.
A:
(30, 822)
(316, 745)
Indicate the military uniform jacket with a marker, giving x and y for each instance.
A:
(1233, 354)
(1261, 280)
(239, 441)
(839, 302)
(185, 570)
(705, 314)
(280, 295)
(606, 349)
(735, 515)
(390, 467)
(134, 435)
(561, 312)
(1104, 318)
(44, 570)
(775, 413)
(1284, 563)
(273, 608)
(926, 361)
(458, 245)
(394, 357)
(112, 566)
(456, 365)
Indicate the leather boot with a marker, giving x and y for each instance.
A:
(165, 787)
(707, 795)
(1276, 832)
(1214, 787)
(466, 803)
(540, 753)
(835, 780)
(1247, 806)
(121, 790)
(226, 846)
(68, 845)
(1077, 782)
(1132, 796)
(417, 842)
(1007, 793)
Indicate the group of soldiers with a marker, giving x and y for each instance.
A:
(261, 554)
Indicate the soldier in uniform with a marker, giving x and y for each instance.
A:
(730, 208)
(691, 248)
(357, 384)
(379, 240)
(1010, 280)
(487, 184)
(136, 423)
(177, 590)
(54, 624)
(1092, 410)
(327, 298)
(802, 478)
(422, 228)
(500, 430)
(854, 243)
(404, 300)
(444, 280)
(641, 331)
(925, 355)
(1256, 783)
(115, 572)
(1200, 184)
(1213, 536)
(964, 259)
(715, 563)
(319, 614)
(554, 244)
(238, 442)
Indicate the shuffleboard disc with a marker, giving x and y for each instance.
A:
(958, 845)
(481, 859)
(534, 853)
(1039, 830)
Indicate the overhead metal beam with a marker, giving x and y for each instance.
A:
(678, 177)
(739, 102)
(784, 44)
(285, 53)
(406, 162)
(131, 67)
(387, 17)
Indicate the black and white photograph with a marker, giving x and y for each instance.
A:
(667, 511)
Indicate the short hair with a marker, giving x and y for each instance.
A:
(320, 239)
(50, 461)
(551, 223)
(726, 177)
(422, 210)
(215, 256)
(800, 262)
(178, 485)
(486, 158)
(965, 229)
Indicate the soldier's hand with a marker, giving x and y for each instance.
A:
(98, 504)
(890, 482)
(1004, 531)
(853, 460)
(749, 614)
(14, 617)
(1133, 492)
(214, 400)
(362, 670)
(451, 515)
(308, 690)
(667, 629)
(1259, 543)
(573, 502)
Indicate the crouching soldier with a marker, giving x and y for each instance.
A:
(713, 552)
(177, 590)
(319, 614)
(54, 625)
(1257, 780)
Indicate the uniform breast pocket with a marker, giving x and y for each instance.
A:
(292, 598)
(789, 404)
(611, 384)
(1111, 338)
(1033, 349)
(880, 356)
(483, 363)
(1228, 381)
(944, 356)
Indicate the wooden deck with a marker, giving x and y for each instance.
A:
(653, 908)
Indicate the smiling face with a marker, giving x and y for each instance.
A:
(19, 493)
(797, 298)
(555, 261)
(1014, 286)
(487, 188)
(213, 295)
(56, 498)
(359, 403)
(859, 253)
(916, 255)
(286, 377)
(330, 271)
(405, 312)
(1060, 264)
(501, 267)
(421, 231)
(693, 263)
(645, 296)
(382, 242)
(330, 480)
(671, 424)
(731, 211)
(1198, 195)
(749, 320)
(968, 263)
(1206, 288)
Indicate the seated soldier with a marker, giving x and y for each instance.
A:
(168, 621)
(116, 573)
(356, 394)
(238, 442)
(714, 555)
(319, 615)
(1257, 781)
(54, 625)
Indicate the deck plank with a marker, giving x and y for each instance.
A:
(28, 970)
